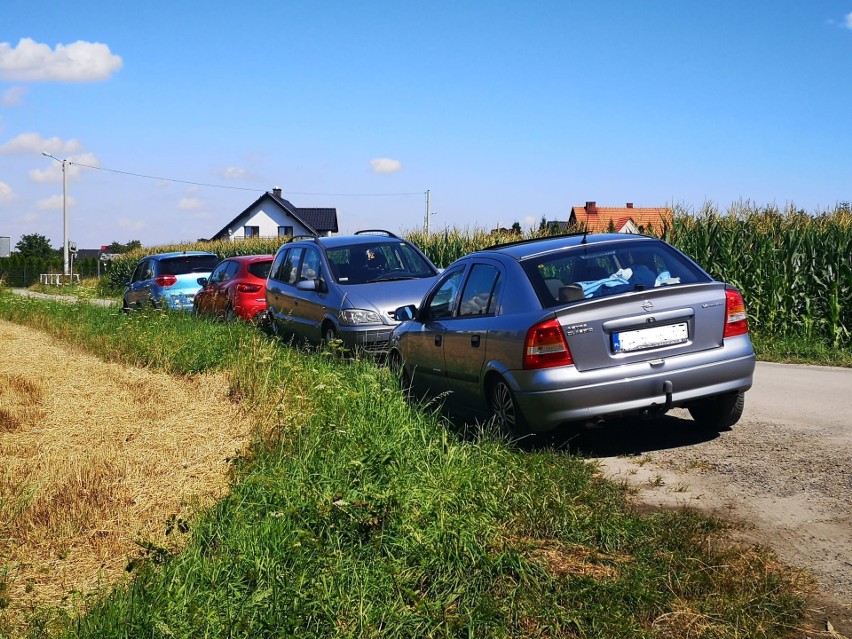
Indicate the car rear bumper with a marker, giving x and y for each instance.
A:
(568, 395)
(248, 309)
(178, 301)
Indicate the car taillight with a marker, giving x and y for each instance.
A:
(736, 322)
(165, 280)
(545, 346)
(248, 288)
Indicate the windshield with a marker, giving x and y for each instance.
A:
(588, 272)
(382, 261)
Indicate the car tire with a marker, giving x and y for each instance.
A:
(329, 333)
(505, 413)
(720, 412)
(230, 316)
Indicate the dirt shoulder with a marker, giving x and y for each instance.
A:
(784, 472)
(97, 457)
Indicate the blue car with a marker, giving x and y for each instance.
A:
(168, 280)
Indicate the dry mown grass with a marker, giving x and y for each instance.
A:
(95, 457)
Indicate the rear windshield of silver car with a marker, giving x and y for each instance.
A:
(599, 270)
(188, 264)
(382, 261)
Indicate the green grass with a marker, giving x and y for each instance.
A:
(356, 515)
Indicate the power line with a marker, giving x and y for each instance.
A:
(235, 188)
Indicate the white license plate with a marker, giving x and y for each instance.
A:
(638, 340)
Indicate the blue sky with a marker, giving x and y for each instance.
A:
(504, 111)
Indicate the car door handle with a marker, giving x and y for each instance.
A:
(474, 341)
(439, 339)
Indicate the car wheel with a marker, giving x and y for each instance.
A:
(230, 315)
(720, 412)
(329, 333)
(505, 413)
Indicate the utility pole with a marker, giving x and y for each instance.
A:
(426, 224)
(66, 271)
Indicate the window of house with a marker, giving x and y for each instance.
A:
(252, 231)
(285, 230)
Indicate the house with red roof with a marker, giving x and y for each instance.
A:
(621, 219)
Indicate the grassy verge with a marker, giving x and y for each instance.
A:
(355, 515)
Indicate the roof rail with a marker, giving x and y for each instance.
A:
(531, 240)
(377, 232)
(303, 237)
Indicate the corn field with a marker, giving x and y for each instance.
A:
(794, 269)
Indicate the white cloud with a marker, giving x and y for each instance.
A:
(6, 193)
(234, 172)
(190, 204)
(847, 21)
(54, 203)
(34, 143)
(385, 165)
(529, 222)
(131, 225)
(13, 96)
(30, 217)
(77, 62)
(53, 171)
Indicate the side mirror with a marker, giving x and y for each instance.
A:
(307, 285)
(404, 313)
(202, 281)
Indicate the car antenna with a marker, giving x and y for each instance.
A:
(585, 233)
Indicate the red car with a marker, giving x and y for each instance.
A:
(235, 288)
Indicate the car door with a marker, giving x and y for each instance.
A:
(309, 304)
(466, 333)
(424, 346)
(205, 298)
(138, 293)
(222, 293)
(281, 288)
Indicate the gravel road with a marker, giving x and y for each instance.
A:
(784, 471)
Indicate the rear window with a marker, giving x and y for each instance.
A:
(260, 269)
(187, 264)
(592, 271)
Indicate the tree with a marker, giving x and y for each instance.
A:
(35, 245)
(118, 247)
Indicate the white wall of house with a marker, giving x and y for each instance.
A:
(267, 222)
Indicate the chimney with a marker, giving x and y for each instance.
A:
(630, 205)
(276, 191)
(591, 207)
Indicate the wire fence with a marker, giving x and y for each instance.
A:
(24, 276)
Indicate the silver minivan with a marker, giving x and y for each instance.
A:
(581, 328)
(321, 289)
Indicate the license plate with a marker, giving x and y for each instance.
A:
(627, 341)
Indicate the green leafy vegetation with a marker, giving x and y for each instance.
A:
(357, 515)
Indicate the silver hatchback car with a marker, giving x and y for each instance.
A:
(578, 328)
(345, 287)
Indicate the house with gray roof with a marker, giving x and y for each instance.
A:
(271, 215)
